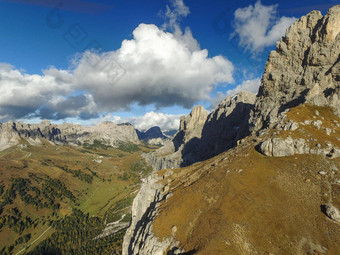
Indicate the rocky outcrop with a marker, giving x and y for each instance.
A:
(170, 155)
(109, 133)
(304, 68)
(8, 135)
(202, 135)
(164, 158)
(191, 126)
(332, 212)
(227, 124)
(170, 133)
(279, 147)
(139, 238)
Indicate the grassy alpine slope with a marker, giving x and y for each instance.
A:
(57, 199)
(242, 202)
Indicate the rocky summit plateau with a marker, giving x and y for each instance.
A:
(260, 173)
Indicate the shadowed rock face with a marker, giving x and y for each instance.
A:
(154, 132)
(304, 68)
(191, 127)
(109, 133)
(226, 125)
(202, 135)
(153, 135)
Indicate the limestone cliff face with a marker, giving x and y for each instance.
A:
(241, 197)
(304, 68)
(202, 135)
(139, 238)
(8, 135)
(170, 155)
(191, 126)
(227, 124)
(109, 133)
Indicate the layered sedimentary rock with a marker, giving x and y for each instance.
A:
(11, 133)
(304, 68)
(139, 238)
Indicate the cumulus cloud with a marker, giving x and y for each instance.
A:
(82, 106)
(151, 119)
(172, 16)
(258, 26)
(22, 94)
(155, 67)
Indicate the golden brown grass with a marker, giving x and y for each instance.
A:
(242, 202)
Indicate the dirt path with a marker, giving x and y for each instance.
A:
(33, 241)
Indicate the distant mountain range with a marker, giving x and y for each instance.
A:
(109, 133)
(155, 136)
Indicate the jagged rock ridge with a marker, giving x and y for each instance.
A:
(202, 135)
(304, 68)
(11, 133)
(153, 135)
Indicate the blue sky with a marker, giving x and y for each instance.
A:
(154, 60)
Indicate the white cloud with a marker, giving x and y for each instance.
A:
(248, 85)
(49, 96)
(174, 14)
(21, 89)
(81, 105)
(22, 94)
(155, 67)
(151, 119)
(258, 26)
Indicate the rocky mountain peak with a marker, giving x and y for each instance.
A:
(202, 135)
(45, 123)
(153, 135)
(304, 68)
(194, 120)
(191, 126)
(227, 105)
(331, 25)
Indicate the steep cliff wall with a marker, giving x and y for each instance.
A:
(202, 135)
(304, 68)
